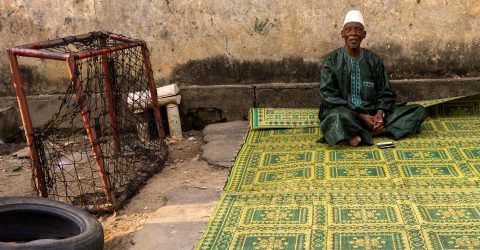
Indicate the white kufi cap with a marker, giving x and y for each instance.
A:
(354, 16)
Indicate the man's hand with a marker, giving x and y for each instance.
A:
(374, 123)
(367, 119)
(378, 121)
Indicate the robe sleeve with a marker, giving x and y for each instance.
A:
(385, 95)
(329, 87)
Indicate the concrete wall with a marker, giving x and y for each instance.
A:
(250, 41)
(235, 42)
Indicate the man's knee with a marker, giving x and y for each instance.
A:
(340, 113)
(419, 111)
(337, 117)
(422, 110)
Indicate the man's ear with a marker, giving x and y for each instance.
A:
(364, 34)
(342, 32)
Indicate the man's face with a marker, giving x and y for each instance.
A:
(353, 33)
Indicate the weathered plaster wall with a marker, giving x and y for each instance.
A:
(200, 42)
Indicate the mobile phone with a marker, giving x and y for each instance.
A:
(387, 144)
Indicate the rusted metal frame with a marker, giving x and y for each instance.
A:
(122, 38)
(111, 105)
(27, 124)
(56, 42)
(90, 128)
(153, 91)
(39, 54)
(83, 55)
(36, 49)
(60, 56)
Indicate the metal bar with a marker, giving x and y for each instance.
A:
(122, 38)
(27, 124)
(64, 57)
(111, 105)
(89, 126)
(39, 54)
(35, 49)
(56, 42)
(107, 50)
(153, 92)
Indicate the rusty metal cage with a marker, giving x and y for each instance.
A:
(91, 153)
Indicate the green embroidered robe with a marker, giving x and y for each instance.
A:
(351, 85)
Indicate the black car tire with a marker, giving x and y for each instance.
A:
(40, 223)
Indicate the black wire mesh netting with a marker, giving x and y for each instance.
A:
(113, 86)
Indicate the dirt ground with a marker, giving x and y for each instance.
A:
(184, 169)
(15, 173)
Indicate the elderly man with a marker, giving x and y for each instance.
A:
(358, 102)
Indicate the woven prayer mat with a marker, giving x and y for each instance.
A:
(286, 191)
(261, 118)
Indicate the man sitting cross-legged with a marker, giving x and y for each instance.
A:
(358, 102)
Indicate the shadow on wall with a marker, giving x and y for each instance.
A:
(197, 119)
(35, 81)
(9, 125)
(221, 70)
(424, 61)
(6, 86)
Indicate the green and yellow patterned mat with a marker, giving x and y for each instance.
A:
(261, 118)
(286, 191)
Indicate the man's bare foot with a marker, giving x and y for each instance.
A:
(355, 141)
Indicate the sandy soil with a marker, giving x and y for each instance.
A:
(15, 173)
(185, 168)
